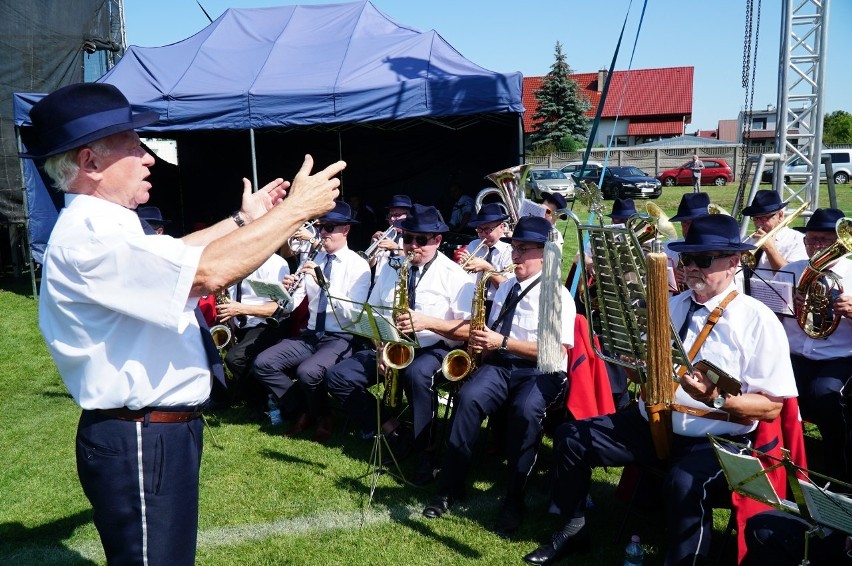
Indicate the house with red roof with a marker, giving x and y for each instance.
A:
(650, 104)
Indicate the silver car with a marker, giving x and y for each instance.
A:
(548, 181)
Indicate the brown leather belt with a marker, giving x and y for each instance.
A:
(152, 416)
(712, 415)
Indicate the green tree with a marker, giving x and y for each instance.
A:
(837, 127)
(560, 119)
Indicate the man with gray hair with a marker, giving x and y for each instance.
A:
(141, 369)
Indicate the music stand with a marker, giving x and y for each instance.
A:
(364, 319)
(815, 505)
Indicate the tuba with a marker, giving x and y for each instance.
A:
(657, 223)
(748, 259)
(819, 287)
(397, 356)
(510, 187)
(458, 363)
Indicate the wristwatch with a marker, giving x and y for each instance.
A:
(503, 348)
(719, 401)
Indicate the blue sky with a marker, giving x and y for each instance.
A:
(504, 35)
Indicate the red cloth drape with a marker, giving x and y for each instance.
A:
(589, 393)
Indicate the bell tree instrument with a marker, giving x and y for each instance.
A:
(748, 259)
(820, 287)
(459, 363)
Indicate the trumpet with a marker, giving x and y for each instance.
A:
(473, 253)
(820, 287)
(748, 259)
(300, 246)
(374, 247)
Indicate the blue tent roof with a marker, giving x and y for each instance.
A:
(307, 65)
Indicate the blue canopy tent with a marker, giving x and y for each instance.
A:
(258, 88)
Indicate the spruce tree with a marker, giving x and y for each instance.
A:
(559, 118)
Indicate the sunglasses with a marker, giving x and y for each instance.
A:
(701, 261)
(328, 227)
(521, 250)
(420, 239)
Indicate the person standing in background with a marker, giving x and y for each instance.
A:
(696, 165)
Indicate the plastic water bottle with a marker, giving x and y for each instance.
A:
(633, 553)
(274, 413)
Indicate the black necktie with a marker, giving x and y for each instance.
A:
(322, 303)
(213, 357)
(693, 306)
(509, 314)
(490, 255)
(412, 285)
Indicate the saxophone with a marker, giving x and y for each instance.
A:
(458, 363)
(397, 356)
(223, 335)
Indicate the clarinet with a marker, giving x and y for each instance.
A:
(285, 307)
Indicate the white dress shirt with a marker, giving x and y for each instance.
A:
(748, 342)
(445, 292)
(525, 321)
(116, 313)
(273, 270)
(839, 343)
(383, 255)
(350, 279)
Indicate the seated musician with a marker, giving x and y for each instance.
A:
(306, 358)
(786, 245)
(251, 320)
(551, 203)
(823, 366)
(748, 342)
(491, 253)
(622, 209)
(387, 246)
(509, 344)
(692, 205)
(439, 297)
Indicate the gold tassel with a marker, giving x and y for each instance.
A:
(659, 385)
(550, 308)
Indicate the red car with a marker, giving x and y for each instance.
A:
(716, 172)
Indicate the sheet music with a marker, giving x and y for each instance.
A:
(746, 475)
(827, 508)
(529, 208)
(774, 289)
(273, 290)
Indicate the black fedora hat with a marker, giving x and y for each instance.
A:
(340, 214)
(692, 205)
(556, 199)
(151, 215)
(399, 201)
(765, 202)
(712, 233)
(424, 219)
(491, 212)
(622, 208)
(822, 220)
(81, 113)
(531, 229)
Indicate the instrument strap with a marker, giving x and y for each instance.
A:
(708, 326)
(424, 270)
(507, 305)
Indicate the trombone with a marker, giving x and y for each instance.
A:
(748, 258)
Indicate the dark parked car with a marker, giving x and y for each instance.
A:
(620, 182)
(716, 172)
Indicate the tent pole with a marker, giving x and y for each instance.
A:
(26, 207)
(340, 157)
(253, 161)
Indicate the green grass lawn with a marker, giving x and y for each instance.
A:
(268, 499)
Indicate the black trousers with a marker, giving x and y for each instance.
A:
(694, 480)
(251, 342)
(142, 482)
(348, 382)
(305, 360)
(527, 393)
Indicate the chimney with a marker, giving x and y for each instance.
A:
(602, 79)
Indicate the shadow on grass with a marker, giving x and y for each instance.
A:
(402, 517)
(281, 457)
(22, 285)
(42, 544)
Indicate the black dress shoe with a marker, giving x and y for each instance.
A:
(509, 519)
(560, 546)
(437, 507)
(424, 472)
